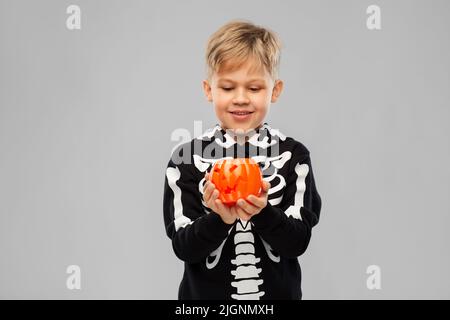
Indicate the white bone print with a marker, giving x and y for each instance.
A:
(270, 252)
(216, 254)
(181, 221)
(276, 163)
(253, 140)
(246, 274)
(302, 171)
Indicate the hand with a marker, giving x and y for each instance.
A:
(246, 209)
(211, 198)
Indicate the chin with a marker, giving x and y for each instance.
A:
(242, 127)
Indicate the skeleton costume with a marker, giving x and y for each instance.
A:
(248, 260)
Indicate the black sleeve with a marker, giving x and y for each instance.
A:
(287, 226)
(194, 233)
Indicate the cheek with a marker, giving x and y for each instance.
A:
(221, 102)
(220, 108)
(261, 102)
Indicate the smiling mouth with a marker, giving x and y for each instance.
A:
(241, 113)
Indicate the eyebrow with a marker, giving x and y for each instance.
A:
(249, 81)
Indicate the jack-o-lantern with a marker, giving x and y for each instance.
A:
(236, 179)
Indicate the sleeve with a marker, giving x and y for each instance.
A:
(287, 226)
(194, 233)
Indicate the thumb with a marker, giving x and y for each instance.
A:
(266, 186)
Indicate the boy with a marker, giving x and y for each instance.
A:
(249, 250)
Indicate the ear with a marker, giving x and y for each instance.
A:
(277, 89)
(207, 90)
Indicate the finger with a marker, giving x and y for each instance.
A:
(247, 207)
(212, 204)
(223, 208)
(234, 211)
(209, 188)
(238, 212)
(243, 214)
(205, 184)
(206, 180)
(214, 195)
(220, 205)
(259, 202)
(266, 186)
(205, 191)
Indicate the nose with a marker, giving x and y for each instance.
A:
(240, 97)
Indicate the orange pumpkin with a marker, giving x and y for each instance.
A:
(236, 179)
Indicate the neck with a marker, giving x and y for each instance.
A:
(240, 135)
(240, 131)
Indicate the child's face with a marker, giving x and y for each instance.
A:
(242, 97)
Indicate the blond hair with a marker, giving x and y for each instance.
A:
(236, 42)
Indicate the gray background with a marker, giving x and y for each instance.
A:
(86, 118)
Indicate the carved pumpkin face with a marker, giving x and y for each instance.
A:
(236, 179)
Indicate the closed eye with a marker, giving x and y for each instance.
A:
(230, 88)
